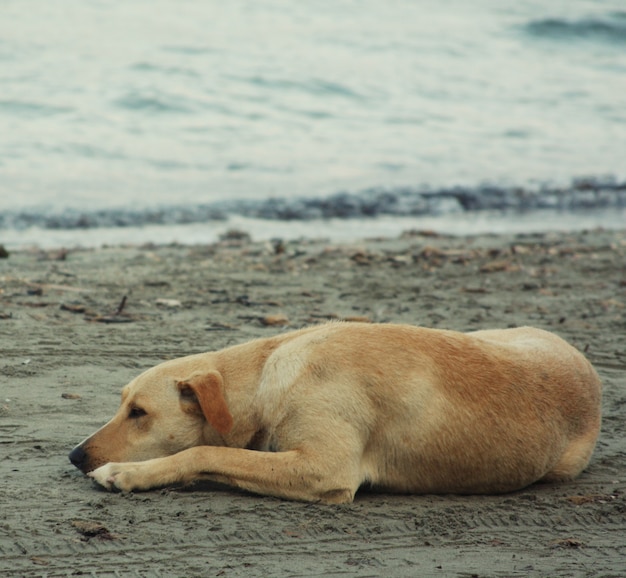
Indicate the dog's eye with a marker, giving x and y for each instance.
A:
(136, 412)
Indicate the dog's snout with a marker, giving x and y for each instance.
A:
(77, 456)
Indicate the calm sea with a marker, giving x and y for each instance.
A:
(174, 119)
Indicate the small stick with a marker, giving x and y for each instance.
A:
(121, 306)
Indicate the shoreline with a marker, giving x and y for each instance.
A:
(348, 230)
(77, 324)
(587, 202)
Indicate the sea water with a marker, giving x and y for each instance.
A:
(170, 119)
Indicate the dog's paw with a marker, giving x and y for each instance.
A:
(112, 476)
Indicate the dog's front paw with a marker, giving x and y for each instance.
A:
(124, 477)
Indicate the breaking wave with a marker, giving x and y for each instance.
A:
(581, 194)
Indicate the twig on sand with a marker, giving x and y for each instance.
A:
(121, 306)
(117, 317)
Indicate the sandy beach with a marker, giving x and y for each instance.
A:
(77, 325)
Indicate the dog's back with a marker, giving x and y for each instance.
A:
(483, 412)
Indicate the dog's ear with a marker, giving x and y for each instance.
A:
(207, 389)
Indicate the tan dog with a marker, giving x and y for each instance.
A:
(316, 413)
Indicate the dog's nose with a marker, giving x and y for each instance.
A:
(77, 457)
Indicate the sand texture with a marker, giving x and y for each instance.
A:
(75, 326)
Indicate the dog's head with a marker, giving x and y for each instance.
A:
(160, 414)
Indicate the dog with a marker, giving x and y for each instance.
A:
(316, 413)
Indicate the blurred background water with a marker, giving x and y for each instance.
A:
(180, 104)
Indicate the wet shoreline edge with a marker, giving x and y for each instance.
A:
(584, 194)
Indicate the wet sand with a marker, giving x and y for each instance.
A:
(75, 326)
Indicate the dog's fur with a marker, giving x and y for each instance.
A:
(316, 413)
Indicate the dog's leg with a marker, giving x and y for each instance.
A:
(295, 474)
